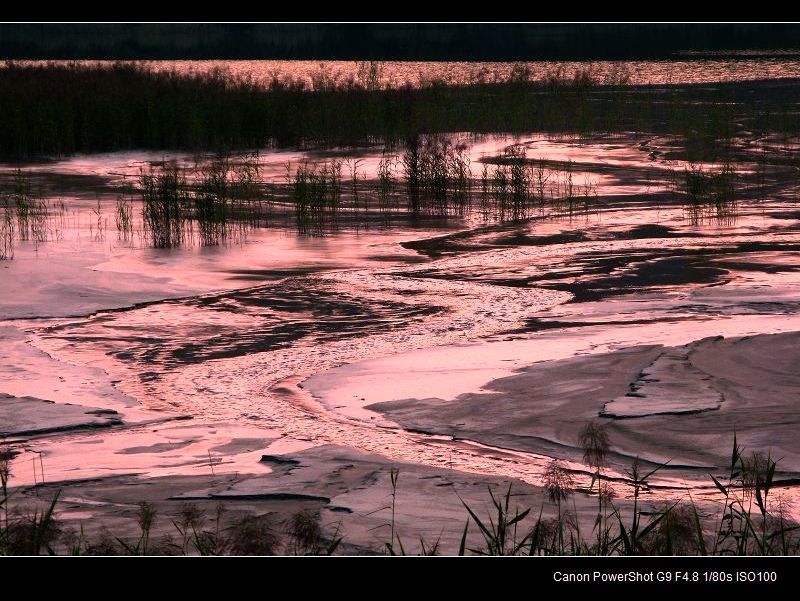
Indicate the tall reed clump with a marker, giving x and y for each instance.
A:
(357, 179)
(165, 206)
(23, 203)
(32, 212)
(210, 203)
(6, 232)
(517, 186)
(461, 178)
(510, 187)
(97, 228)
(370, 75)
(215, 200)
(484, 203)
(386, 180)
(227, 198)
(123, 218)
(316, 193)
(145, 516)
(500, 192)
(502, 533)
(395, 545)
(519, 182)
(630, 540)
(438, 176)
(221, 198)
(709, 192)
(411, 169)
(25, 215)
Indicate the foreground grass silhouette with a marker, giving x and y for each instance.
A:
(749, 522)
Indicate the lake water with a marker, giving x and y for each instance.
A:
(226, 334)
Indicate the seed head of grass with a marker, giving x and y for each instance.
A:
(595, 442)
(558, 482)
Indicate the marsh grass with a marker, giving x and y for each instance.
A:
(6, 455)
(370, 75)
(316, 192)
(750, 520)
(629, 538)
(165, 206)
(485, 193)
(306, 536)
(520, 188)
(218, 201)
(123, 218)
(221, 200)
(6, 231)
(26, 216)
(31, 210)
(214, 202)
(395, 544)
(134, 107)
(145, 517)
(394, 537)
(748, 523)
(594, 440)
(358, 199)
(559, 485)
(501, 531)
(747, 526)
(97, 229)
(24, 533)
(709, 192)
(438, 176)
(387, 168)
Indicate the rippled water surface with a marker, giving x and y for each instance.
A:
(295, 336)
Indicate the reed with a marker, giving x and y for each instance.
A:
(411, 169)
(6, 232)
(501, 532)
(751, 521)
(145, 516)
(519, 182)
(386, 179)
(134, 107)
(485, 193)
(709, 191)
(97, 228)
(123, 218)
(438, 176)
(316, 193)
(214, 202)
(165, 206)
(27, 216)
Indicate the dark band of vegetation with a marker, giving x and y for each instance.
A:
(749, 520)
(65, 109)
